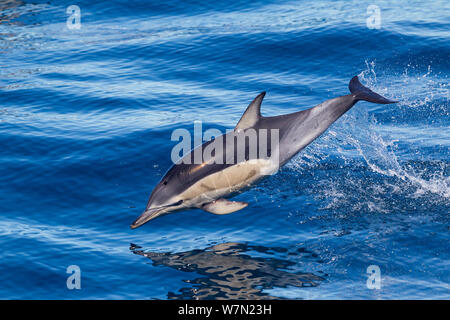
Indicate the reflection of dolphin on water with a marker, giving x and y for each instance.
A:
(228, 273)
(207, 184)
(8, 17)
(8, 4)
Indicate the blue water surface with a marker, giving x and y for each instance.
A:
(86, 117)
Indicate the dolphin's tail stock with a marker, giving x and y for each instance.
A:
(361, 92)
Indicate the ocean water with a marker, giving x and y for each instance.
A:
(86, 117)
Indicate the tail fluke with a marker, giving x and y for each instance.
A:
(363, 93)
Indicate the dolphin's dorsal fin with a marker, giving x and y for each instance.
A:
(252, 114)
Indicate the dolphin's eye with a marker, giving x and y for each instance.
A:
(165, 182)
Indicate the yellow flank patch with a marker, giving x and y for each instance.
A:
(226, 181)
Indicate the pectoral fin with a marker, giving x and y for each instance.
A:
(223, 206)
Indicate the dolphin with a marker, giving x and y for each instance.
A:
(226, 171)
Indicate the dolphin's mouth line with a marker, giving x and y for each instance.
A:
(152, 213)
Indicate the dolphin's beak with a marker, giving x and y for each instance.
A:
(145, 217)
